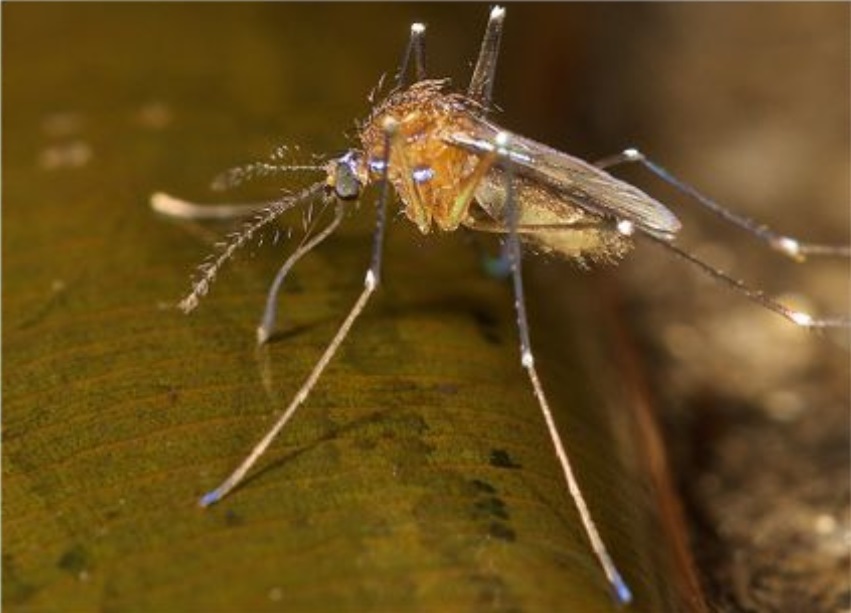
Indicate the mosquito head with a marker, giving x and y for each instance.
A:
(345, 176)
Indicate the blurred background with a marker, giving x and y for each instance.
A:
(103, 104)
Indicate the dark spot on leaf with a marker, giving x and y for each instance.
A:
(493, 507)
(501, 459)
(232, 518)
(488, 326)
(499, 530)
(483, 486)
(75, 560)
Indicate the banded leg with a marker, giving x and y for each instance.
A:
(414, 51)
(788, 246)
(481, 83)
(371, 281)
(798, 318)
(621, 591)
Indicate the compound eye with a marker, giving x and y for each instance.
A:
(347, 186)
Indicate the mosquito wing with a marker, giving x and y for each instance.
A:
(581, 184)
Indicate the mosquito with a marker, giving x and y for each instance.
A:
(452, 167)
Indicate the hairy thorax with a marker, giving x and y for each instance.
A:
(428, 173)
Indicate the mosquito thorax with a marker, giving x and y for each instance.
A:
(425, 170)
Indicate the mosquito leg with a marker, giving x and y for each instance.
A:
(467, 188)
(788, 246)
(621, 590)
(627, 229)
(481, 84)
(267, 322)
(416, 206)
(172, 206)
(414, 51)
(234, 479)
(798, 318)
(371, 281)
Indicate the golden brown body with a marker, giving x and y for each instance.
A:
(428, 172)
(438, 180)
